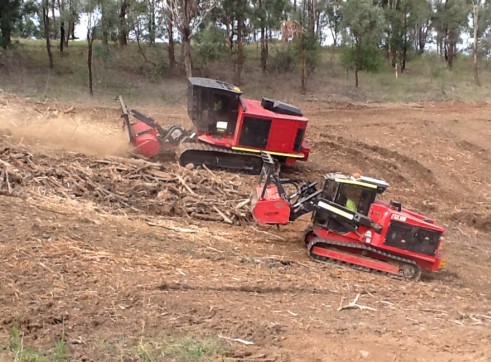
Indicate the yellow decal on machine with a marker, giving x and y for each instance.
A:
(443, 263)
(335, 210)
(354, 182)
(270, 152)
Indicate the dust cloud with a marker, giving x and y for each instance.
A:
(78, 132)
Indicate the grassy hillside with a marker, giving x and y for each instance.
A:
(24, 70)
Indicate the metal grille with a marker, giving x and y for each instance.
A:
(412, 238)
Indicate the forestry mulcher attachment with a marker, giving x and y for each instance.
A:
(230, 131)
(349, 226)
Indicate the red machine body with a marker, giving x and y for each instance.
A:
(272, 208)
(280, 135)
(145, 139)
(230, 131)
(371, 235)
(381, 214)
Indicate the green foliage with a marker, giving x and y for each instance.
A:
(309, 45)
(450, 15)
(102, 53)
(210, 44)
(282, 60)
(23, 354)
(365, 23)
(268, 13)
(333, 18)
(370, 58)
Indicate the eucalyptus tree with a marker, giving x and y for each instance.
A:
(186, 16)
(266, 15)
(481, 25)
(306, 43)
(450, 19)
(364, 23)
(407, 24)
(9, 14)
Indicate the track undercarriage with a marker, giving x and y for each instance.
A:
(361, 257)
(200, 153)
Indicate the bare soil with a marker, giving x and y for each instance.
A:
(116, 288)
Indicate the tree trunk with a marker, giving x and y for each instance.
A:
(264, 49)
(6, 26)
(357, 61)
(230, 37)
(61, 9)
(303, 88)
(186, 33)
(422, 34)
(151, 22)
(46, 32)
(55, 35)
(62, 35)
(171, 49)
(72, 31)
(90, 40)
(104, 30)
(264, 42)
(6, 32)
(68, 31)
(404, 56)
(450, 47)
(186, 47)
(240, 42)
(475, 15)
(123, 32)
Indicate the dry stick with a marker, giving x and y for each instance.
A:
(241, 204)
(173, 228)
(225, 218)
(211, 173)
(354, 305)
(181, 180)
(8, 183)
(243, 341)
(270, 234)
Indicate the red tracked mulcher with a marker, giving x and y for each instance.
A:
(230, 130)
(349, 225)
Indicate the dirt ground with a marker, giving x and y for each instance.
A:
(115, 288)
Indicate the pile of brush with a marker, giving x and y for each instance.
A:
(129, 185)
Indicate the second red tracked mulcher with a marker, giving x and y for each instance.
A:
(349, 225)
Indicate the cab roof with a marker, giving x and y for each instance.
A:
(215, 84)
(362, 181)
(254, 108)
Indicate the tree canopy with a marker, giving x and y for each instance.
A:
(370, 32)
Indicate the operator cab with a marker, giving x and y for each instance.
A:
(213, 105)
(224, 118)
(353, 196)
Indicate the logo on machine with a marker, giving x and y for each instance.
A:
(398, 217)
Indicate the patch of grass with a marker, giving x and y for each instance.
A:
(122, 70)
(189, 349)
(22, 353)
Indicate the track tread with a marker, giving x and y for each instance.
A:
(399, 259)
(205, 147)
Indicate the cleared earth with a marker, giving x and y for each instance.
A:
(116, 282)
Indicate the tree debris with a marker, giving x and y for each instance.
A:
(126, 185)
(354, 305)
